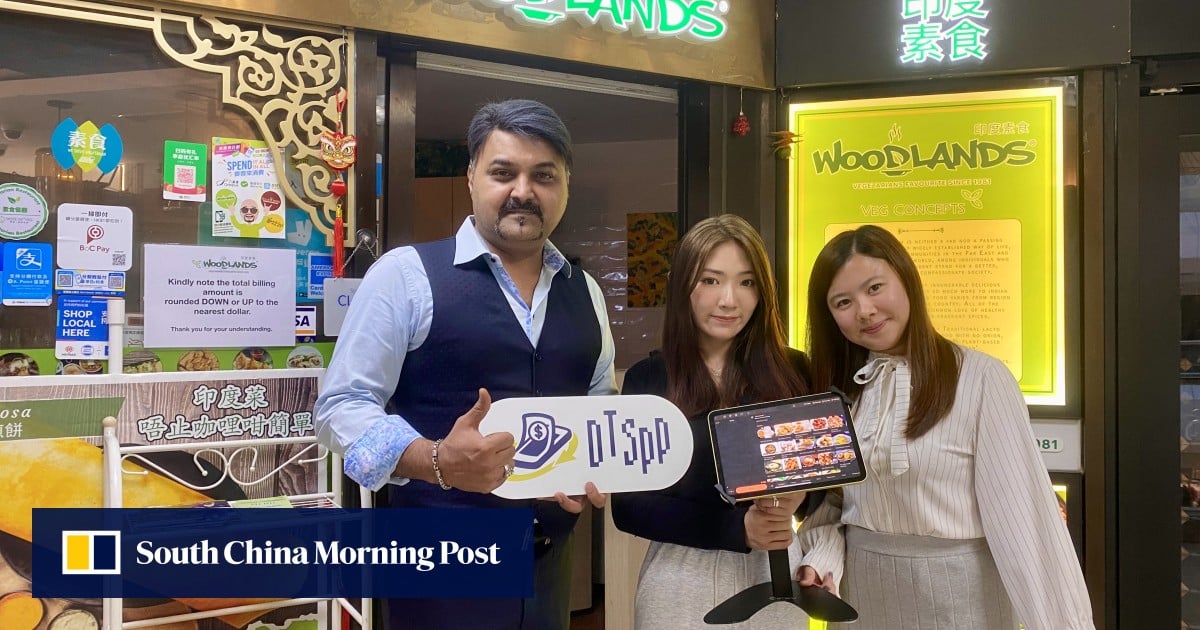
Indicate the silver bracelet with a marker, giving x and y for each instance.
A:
(437, 471)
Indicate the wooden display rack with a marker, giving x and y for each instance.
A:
(329, 611)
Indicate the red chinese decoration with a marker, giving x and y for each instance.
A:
(339, 151)
(741, 124)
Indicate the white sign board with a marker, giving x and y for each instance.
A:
(1059, 442)
(99, 238)
(338, 293)
(621, 443)
(219, 297)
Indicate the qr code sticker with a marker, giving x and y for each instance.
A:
(119, 260)
(116, 282)
(65, 279)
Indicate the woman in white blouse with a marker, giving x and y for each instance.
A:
(956, 525)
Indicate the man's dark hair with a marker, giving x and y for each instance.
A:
(526, 118)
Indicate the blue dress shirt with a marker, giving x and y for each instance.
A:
(390, 315)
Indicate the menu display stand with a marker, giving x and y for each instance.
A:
(740, 437)
(329, 610)
(115, 454)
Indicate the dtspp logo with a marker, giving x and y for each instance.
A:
(94, 233)
(91, 552)
(541, 439)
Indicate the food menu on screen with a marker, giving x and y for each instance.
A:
(804, 449)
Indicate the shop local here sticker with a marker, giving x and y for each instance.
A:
(620, 443)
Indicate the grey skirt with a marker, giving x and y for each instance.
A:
(679, 585)
(919, 582)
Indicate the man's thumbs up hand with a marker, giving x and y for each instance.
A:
(472, 461)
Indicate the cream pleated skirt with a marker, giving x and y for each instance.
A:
(679, 585)
(900, 582)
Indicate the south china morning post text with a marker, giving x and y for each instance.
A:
(250, 551)
(281, 552)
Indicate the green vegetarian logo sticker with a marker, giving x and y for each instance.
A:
(22, 212)
(86, 146)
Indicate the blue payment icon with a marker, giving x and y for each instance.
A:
(28, 258)
(541, 439)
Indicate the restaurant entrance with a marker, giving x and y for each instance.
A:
(1158, 349)
(1171, 182)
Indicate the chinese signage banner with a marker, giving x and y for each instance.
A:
(972, 185)
(52, 458)
(246, 193)
(943, 30)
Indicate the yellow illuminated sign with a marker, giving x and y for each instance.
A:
(972, 184)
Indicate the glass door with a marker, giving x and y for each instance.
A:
(1156, 540)
(1189, 375)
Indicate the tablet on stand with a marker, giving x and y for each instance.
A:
(774, 448)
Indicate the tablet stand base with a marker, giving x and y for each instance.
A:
(815, 601)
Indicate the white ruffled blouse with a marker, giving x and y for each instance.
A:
(977, 474)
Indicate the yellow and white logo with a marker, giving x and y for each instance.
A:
(96, 552)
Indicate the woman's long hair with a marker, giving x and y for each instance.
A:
(933, 359)
(758, 368)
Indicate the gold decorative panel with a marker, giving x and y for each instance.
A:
(745, 55)
(283, 77)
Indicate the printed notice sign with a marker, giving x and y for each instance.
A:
(94, 237)
(219, 297)
(972, 186)
(82, 330)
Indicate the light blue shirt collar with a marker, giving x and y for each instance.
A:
(469, 245)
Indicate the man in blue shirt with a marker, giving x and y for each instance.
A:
(437, 330)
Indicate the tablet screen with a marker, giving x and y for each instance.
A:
(769, 448)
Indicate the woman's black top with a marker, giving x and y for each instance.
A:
(691, 512)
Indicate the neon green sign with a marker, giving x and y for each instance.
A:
(699, 20)
(972, 185)
(934, 30)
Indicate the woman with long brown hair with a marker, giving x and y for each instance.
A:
(723, 345)
(956, 525)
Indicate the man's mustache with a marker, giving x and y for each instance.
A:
(513, 205)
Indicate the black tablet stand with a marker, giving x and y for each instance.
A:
(815, 601)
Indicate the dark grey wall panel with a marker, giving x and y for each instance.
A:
(822, 42)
